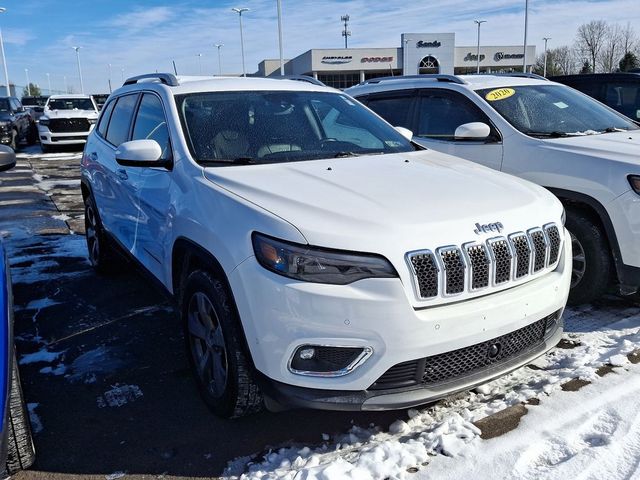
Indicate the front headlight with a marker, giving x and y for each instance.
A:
(634, 180)
(318, 265)
(92, 121)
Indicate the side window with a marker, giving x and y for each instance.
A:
(118, 131)
(14, 104)
(624, 97)
(151, 124)
(441, 112)
(394, 109)
(104, 119)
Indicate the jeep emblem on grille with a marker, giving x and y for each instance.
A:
(489, 227)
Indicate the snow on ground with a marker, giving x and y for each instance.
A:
(446, 429)
(36, 423)
(593, 433)
(119, 395)
(41, 356)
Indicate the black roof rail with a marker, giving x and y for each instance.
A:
(515, 74)
(166, 78)
(439, 77)
(301, 78)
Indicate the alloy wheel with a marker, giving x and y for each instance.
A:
(91, 229)
(579, 261)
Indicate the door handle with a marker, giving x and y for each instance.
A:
(122, 174)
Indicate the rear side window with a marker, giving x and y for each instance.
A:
(120, 123)
(151, 123)
(624, 97)
(394, 110)
(104, 119)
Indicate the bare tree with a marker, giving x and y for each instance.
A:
(560, 61)
(612, 49)
(590, 39)
(628, 39)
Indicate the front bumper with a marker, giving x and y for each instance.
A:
(279, 315)
(67, 138)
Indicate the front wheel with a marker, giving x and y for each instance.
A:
(591, 270)
(101, 253)
(215, 348)
(32, 134)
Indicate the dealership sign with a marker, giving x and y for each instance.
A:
(507, 56)
(337, 60)
(472, 57)
(376, 59)
(434, 44)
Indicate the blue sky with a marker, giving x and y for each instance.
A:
(144, 35)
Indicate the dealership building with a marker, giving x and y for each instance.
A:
(419, 53)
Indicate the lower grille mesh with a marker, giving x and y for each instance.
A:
(464, 361)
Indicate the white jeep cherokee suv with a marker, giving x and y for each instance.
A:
(581, 150)
(317, 256)
(66, 120)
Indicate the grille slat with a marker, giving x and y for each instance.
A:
(479, 264)
(454, 270)
(475, 266)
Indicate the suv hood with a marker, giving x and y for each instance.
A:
(620, 146)
(409, 201)
(70, 113)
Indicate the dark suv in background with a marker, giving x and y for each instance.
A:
(620, 91)
(36, 105)
(16, 123)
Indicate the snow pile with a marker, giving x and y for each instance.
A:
(43, 355)
(446, 429)
(119, 395)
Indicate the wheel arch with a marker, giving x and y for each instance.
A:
(594, 209)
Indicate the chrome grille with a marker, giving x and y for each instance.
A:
(522, 251)
(554, 243)
(501, 259)
(426, 271)
(475, 266)
(479, 265)
(454, 270)
(539, 249)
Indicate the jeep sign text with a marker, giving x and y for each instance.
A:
(489, 227)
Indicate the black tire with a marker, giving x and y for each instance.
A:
(14, 140)
(102, 255)
(20, 450)
(591, 258)
(46, 148)
(32, 134)
(215, 347)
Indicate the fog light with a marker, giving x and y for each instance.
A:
(306, 353)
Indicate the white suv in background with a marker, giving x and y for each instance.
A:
(66, 120)
(579, 149)
(318, 257)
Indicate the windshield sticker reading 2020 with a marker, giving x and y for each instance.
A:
(499, 94)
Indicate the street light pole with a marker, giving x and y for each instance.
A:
(66, 89)
(546, 39)
(280, 36)
(77, 49)
(49, 82)
(4, 58)
(405, 60)
(200, 63)
(26, 72)
(526, 24)
(479, 22)
(239, 11)
(110, 90)
(219, 46)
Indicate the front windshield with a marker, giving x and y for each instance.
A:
(282, 126)
(70, 104)
(553, 111)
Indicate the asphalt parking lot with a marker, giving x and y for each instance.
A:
(118, 395)
(102, 358)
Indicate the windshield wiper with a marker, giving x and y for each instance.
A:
(547, 134)
(614, 129)
(345, 154)
(233, 161)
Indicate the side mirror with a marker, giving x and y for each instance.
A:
(405, 132)
(140, 153)
(7, 158)
(472, 131)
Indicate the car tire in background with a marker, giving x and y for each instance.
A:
(14, 140)
(216, 349)
(46, 148)
(591, 258)
(20, 450)
(102, 255)
(32, 134)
